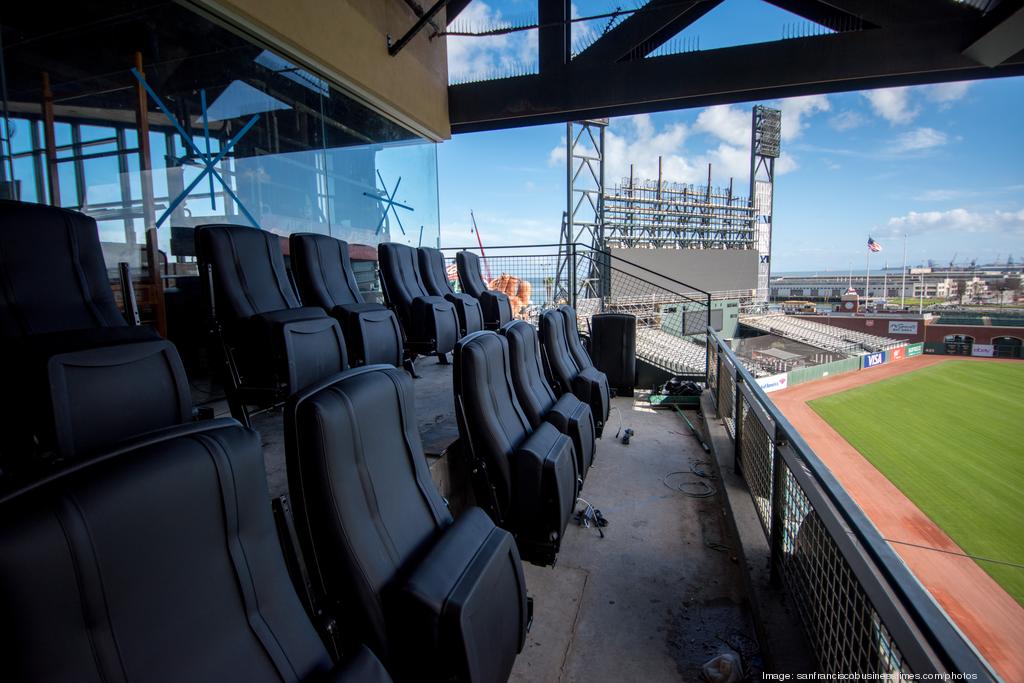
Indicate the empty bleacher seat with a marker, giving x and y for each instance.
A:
(257, 315)
(323, 274)
(526, 478)
(589, 384)
(431, 324)
(158, 561)
(566, 413)
(435, 278)
(435, 598)
(495, 306)
(55, 298)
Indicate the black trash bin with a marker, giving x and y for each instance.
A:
(613, 349)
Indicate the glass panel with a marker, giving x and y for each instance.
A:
(238, 134)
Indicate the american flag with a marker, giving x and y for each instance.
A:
(873, 245)
(452, 272)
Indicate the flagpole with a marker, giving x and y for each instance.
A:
(867, 278)
(903, 286)
(885, 279)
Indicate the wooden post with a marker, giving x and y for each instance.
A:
(148, 208)
(50, 142)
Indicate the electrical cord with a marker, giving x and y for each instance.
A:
(704, 489)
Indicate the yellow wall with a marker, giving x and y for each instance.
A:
(346, 41)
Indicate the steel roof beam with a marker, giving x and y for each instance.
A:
(645, 30)
(926, 52)
(1004, 37)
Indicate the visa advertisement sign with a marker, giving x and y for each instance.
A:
(773, 383)
(874, 359)
(896, 354)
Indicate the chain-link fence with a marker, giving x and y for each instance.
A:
(862, 609)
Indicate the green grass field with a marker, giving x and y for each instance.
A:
(950, 437)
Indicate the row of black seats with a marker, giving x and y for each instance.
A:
(529, 432)
(255, 311)
(154, 556)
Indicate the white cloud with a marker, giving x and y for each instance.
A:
(475, 58)
(919, 139)
(725, 123)
(794, 111)
(946, 92)
(1009, 223)
(846, 120)
(892, 104)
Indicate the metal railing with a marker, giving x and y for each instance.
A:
(861, 607)
(672, 316)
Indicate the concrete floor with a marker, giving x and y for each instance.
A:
(654, 599)
(661, 593)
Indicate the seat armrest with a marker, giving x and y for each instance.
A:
(543, 482)
(472, 577)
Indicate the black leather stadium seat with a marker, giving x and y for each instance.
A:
(496, 307)
(254, 309)
(55, 298)
(159, 562)
(525, 477)
(567, 414)
(323, 273)
(435, 278)
(589, 384)
(436, 599)
(431, 324)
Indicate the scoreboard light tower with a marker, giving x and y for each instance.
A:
(765, 138)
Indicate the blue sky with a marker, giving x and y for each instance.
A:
(942, 164)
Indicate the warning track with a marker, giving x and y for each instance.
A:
(990, 618)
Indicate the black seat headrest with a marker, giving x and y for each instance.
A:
(158, 561)
(54, 276)
(399, 268)
(104, 395)
(249, 275)
(323, 271)
(468, 265)
(493, 419)
(432, 268)
(572, 338)
(556, 349)
(532, 389)
(362, 488)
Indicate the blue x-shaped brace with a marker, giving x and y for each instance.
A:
(388, 199)
(209, 161)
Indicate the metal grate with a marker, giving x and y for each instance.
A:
(757, 453)
(843, 626)
(727, 398)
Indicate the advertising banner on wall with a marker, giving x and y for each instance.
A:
(873, 359)
(902, 327)
(773, 383)
(893, 355)
(915, 349)
(983, 350)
